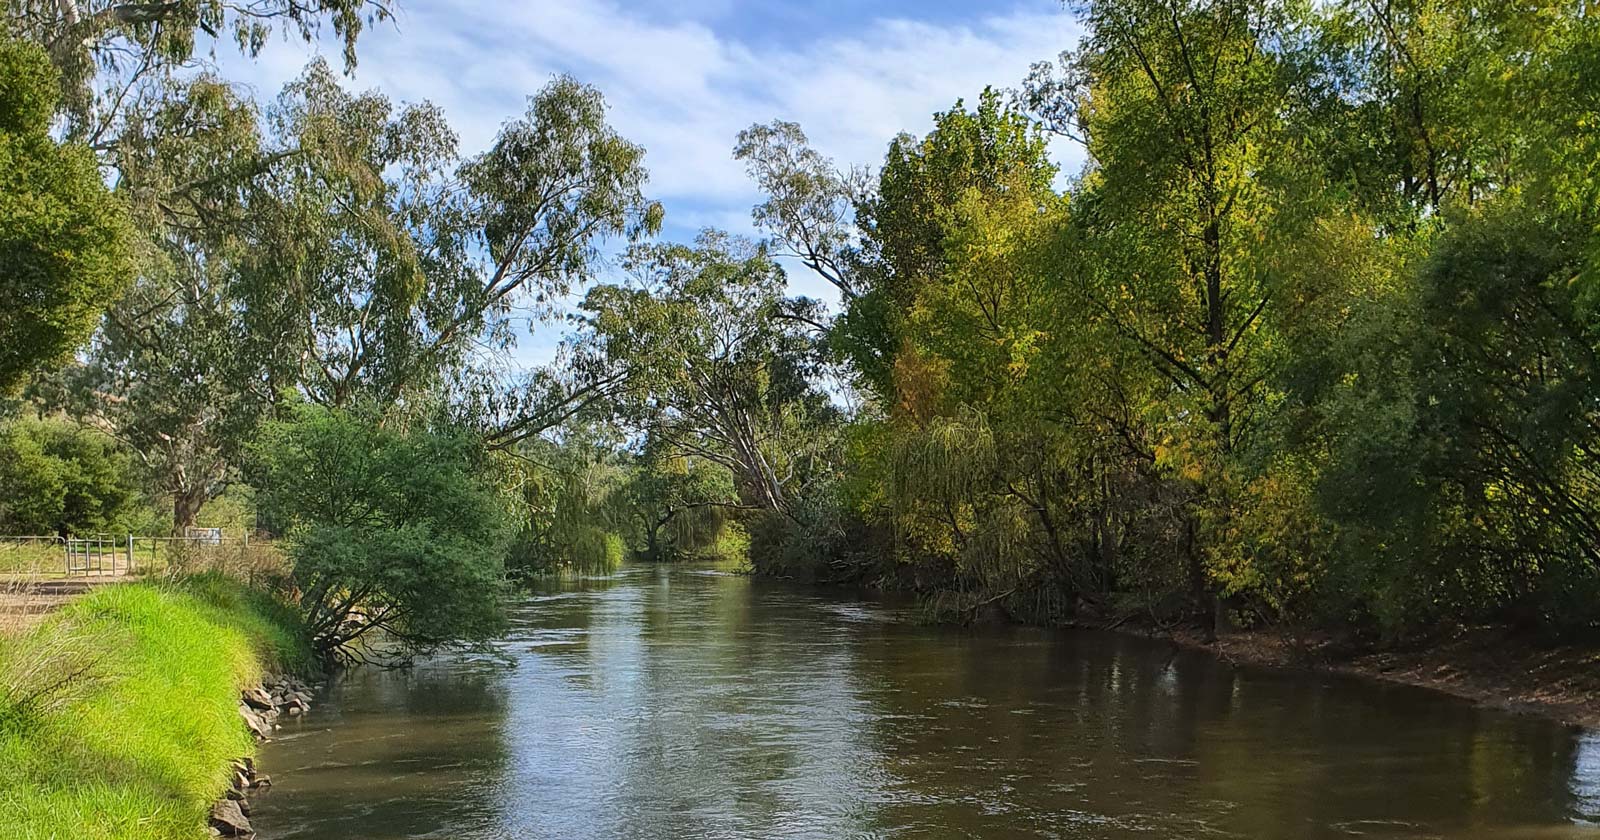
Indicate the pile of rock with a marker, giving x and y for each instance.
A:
(230, 816)
(261, 706)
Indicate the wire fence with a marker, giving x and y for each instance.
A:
(108, 555)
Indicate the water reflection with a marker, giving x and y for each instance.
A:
(657, 702)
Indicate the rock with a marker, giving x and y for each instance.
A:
(235, 795)
(294, 710)
(257, 697)
(244, 807)
(229, 820)
(263, 780)
(258, 727)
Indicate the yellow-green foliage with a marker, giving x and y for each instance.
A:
(119, 715)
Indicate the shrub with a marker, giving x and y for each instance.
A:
(61, 478)
(398, 531)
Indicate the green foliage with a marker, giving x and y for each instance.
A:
(61, 478)
(105, 49)
(64, 254)
(118, 715)
(1312, 332)
(394, 530)
(683, 507)
(717, 362)
(571, 493)
(335, 245)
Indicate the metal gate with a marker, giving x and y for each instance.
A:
(95, 556)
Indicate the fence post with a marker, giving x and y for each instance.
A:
(130, 552)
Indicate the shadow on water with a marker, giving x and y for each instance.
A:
(681, 702)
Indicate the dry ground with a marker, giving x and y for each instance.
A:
(1490, 665)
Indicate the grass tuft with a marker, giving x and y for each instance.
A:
(119, 714)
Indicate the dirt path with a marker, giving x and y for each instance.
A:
(25, 602)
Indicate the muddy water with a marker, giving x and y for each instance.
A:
(666, 703)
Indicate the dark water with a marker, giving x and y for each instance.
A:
(667, 703)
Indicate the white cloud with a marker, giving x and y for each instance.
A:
(682, 88)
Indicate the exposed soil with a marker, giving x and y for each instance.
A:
(24, 603)
(1490, 665)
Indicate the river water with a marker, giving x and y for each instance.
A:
(667, 702)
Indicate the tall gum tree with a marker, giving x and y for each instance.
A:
(717, 372)
(336, 246)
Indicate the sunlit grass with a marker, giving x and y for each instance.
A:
(118, 715)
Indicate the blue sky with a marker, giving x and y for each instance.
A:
(682, 77)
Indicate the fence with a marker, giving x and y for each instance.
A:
(110, 555)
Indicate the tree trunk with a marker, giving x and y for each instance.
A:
(186, 506)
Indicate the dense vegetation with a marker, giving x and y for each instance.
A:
(1308, 341)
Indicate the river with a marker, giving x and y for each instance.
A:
(663, 702)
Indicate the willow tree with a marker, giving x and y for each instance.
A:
(682, 506)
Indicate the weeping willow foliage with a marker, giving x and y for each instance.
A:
(998, 551)
(949, 497)
(591, 548)
(698, 530)
(946, 462)
(574, 513)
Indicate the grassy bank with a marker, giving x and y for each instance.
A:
(119, 714)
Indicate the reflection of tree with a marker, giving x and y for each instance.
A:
(1585, 784)
(1097, 736)
(395, 754)
(668, 702)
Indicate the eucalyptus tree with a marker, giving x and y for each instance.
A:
(717, 372)
(174, 372)
(337, 246)
(810, 202)
(113, 55)
(390, 264)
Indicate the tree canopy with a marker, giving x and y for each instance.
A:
(64, 241)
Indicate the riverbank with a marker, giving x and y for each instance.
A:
(1491, 666)
(119, 714)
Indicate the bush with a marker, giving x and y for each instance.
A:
(388, 530)
(61, 478)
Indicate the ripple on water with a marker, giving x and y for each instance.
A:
(661, 702)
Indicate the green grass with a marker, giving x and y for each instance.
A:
(119, 715)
